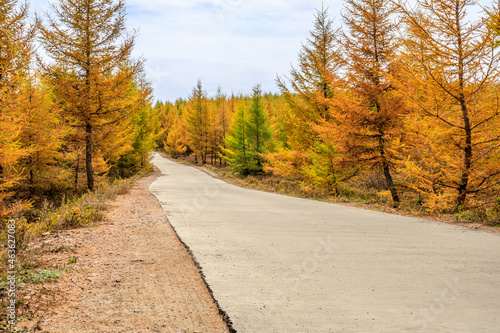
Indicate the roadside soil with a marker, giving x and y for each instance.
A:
(132, 274)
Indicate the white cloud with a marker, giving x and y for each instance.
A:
(234, 43)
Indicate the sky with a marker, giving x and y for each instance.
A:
(232, 43)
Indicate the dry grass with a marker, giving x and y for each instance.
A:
(47, 218)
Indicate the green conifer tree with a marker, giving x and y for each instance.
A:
(237, 151)
(259, 132)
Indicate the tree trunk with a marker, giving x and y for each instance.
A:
(390, 184)
(88, 157)
(387, 172)
(464, 179)
(77, 170)
(467, 163)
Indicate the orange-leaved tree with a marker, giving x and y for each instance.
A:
(452, 82)
(310, 154)
(368, 109)
(16, 55)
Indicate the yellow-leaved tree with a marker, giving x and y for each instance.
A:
(311, 153)
(92, 71)
(452, 84)
(16, 55)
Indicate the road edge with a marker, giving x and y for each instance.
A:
(223, 314)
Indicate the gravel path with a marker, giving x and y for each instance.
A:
(132, 275)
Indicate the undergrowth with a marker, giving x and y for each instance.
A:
(48, 216)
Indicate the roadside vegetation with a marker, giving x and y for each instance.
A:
(398, 109)
(75, 126)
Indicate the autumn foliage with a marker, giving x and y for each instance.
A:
(402, 102)
(76, 117)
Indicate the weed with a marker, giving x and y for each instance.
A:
(42, 275)
(63, 248)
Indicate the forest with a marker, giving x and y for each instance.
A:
(400, 105)
(75, 113)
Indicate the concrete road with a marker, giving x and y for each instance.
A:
(283, 264)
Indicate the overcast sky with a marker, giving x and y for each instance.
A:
(231, 43)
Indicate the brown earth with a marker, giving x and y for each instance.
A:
(132, 274)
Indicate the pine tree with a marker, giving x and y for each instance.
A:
(92, 70)
(237, 152)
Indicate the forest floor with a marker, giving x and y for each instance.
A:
(129, 273)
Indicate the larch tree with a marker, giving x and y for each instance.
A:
(146, 132)
(16, 55)
(237, 153)
(43, 135)
(214, 129)
(92, 70)
(310, 91)
(309, 100)
(197, 126)
(310, 121)
(370, 119)
(224, 119)
(258, 131)
(452, 82)
(175, 142)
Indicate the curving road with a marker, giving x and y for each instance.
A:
(284, 264)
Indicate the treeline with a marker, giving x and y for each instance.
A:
(405, 100)
(223, 130)
(75, 112)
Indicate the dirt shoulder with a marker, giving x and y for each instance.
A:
(132, 274)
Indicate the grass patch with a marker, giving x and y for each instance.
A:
(84, 210)
(29, 276)
(42, 276)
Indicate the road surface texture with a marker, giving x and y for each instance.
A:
(282, 264)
